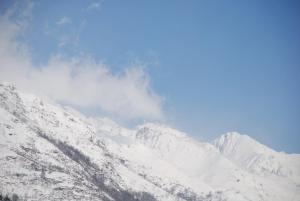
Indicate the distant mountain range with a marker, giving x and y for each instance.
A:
(50, 152)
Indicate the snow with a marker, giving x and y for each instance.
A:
(257, 158)
(50, 152)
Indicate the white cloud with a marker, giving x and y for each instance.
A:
(94, 6)
(63, 21)
(79, 81)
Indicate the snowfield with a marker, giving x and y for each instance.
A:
(50, 152)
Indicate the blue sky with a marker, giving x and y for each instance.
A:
(213, 66)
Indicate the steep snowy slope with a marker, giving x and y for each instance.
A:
(52, 153)
(257, 158)
(49, 154)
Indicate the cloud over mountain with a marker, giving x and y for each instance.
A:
(80, 81)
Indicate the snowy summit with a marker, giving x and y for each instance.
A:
(49, 152)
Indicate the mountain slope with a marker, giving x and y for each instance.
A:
(257, 158)
(48, 152)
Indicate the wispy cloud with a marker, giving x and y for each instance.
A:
(63, 21)
(80, 81)
(94, 6)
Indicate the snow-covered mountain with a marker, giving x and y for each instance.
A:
(257, 158)
(50, 152)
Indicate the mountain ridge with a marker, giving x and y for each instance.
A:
(256, 157)
(49, 152)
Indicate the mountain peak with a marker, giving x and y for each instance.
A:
(158, 135)
(230, 139)
(234, 135)
(234, 141)
(256, 157)
(159, 129)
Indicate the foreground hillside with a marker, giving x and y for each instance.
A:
(49, 152)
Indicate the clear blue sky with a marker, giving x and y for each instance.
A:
(220, 65)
